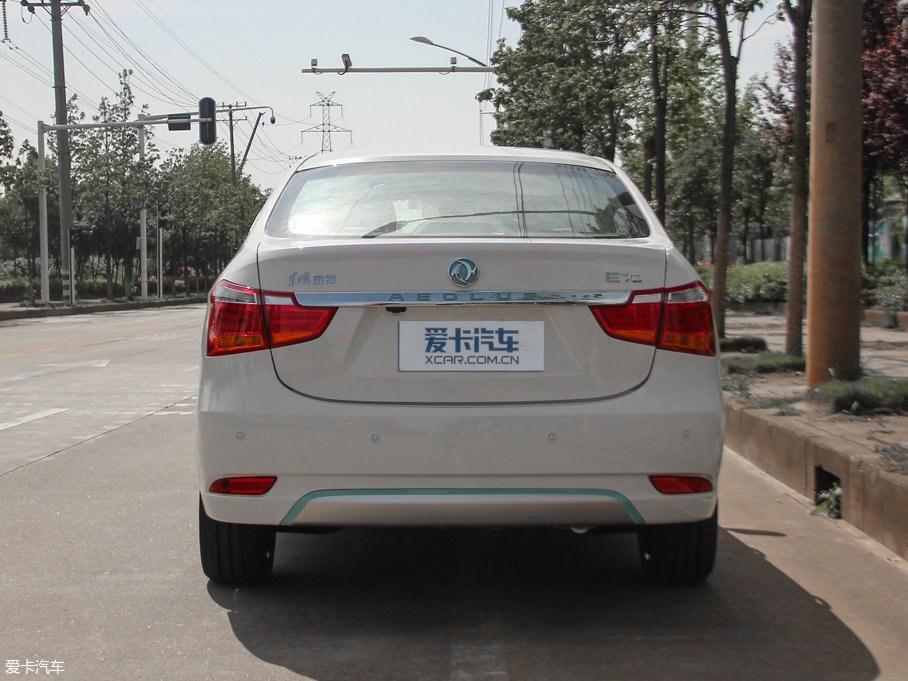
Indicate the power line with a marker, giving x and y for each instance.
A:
(173, 85)
(215, 72)
(140, 81)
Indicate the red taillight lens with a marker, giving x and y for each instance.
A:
(636, 321)
(289, 322)
(248, 485)
(688, 322)
(234, 320)
(678, 319)
(681, 484)
(238, 315)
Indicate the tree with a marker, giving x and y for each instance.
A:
(6, 150)
(755, 168)
(208, 216)
(885, 91)
(724, 13)
(107, 207)
(799, 14)
(565, 84)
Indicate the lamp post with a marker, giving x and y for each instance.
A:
(426, 41)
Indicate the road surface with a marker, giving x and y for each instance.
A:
(100, 578)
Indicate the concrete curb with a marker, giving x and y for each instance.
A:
(873, 500)
(87, 308)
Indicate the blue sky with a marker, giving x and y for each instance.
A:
(253, 52)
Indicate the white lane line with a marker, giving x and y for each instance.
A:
(55, 368)
(31, 417)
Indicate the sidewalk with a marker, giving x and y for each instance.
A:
(807, 448)
(55, 309)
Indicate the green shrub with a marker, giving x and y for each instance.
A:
(743, 344)
(762, 282)
(14, 289)
(766, 363)
(885, 286)
(863, 395)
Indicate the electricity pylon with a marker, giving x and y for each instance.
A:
(326, 127)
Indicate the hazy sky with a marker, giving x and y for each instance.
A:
(243, 51)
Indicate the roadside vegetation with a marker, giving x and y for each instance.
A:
(189, 193)
(884, 284)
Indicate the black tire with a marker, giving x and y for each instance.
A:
(679, 554)
(233, 553)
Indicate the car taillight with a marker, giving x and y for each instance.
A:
(242, 319)
(235, 321)
(636, 321)
(678, 319)
(688, 321)
(289, 322)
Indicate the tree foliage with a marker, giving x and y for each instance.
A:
(885, 114)
(190, 193)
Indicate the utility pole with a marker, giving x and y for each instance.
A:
(230, 108)
(64, 159)
(326, 128)
(834, 258)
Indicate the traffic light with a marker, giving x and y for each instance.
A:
(208, 129)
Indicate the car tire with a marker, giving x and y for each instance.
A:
(233, 553)
(681, 554)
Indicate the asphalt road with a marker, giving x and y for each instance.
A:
(99, 573)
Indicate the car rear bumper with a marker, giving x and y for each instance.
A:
(569, 463)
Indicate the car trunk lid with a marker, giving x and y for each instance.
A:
(444, 321)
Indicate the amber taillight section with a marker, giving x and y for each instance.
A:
(678, 319)
(243, 319)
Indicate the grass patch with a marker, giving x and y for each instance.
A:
(780, 403)
(864, 395)
(765, 363)
(895, 457)
(737, 385)
(743, 344)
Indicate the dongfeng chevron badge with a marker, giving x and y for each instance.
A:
(463, 272)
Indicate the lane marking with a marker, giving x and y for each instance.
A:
(55, 368)
(31, 417)
(186, 331)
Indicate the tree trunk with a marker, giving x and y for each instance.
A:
(726, 166)
(659, 114)
(794, 315)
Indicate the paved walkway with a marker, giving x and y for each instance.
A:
(884, 352)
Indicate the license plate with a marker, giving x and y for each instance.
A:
(471, 346)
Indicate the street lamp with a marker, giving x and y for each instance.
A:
(426, 41)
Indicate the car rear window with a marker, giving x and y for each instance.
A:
(414, 199)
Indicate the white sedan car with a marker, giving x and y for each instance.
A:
(483, 337)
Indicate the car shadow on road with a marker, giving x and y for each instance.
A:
(522, 604)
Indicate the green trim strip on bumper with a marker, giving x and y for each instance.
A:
(408, 492)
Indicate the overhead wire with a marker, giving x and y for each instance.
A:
(240, 40)
(215, 72)
(76, 57)
(172, 83)
(140, 80)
